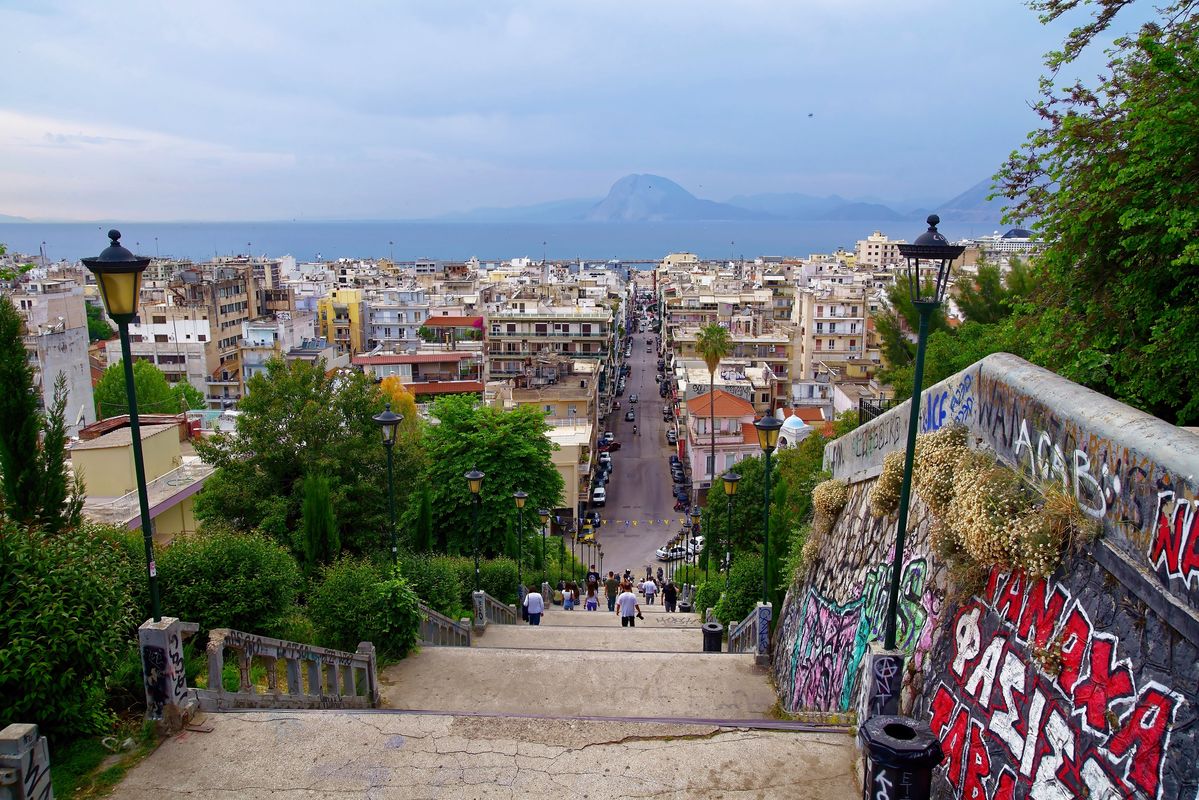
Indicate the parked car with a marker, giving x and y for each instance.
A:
(629, 416)
(671, 553)
(608, 436)
(605, 459)
(674, 459)
(671, 436)
(609, 447)
(599, 496)
(633, 398)
(661, 363)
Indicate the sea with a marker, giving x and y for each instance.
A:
(458, 241)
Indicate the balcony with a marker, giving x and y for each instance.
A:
(163, 492)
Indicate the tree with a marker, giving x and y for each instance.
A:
(98, 328)
(322, 543)
(1110, 175)
(713, 344)
(423, 538)
(510, 447)
(38, 489)
(14, 272)
(990, 296)
(403, 402)
(154, 394)
(297, 421)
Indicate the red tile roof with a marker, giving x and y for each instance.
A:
(807, 414)
(749, 433)
(453, 322)
(444, 387)
(413, 358)
(727, 405)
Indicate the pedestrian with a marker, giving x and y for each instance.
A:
(524, 610)
(593, 575)
(592, 598)
(627, 607)
(670, 596)
(568, 597)
(649, 572)
(660, 576)
(611, 587)
(650, 588)
(534, 606)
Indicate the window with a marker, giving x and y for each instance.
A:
(158, 319)
(160, 337)
(708, 464)
(202, 338)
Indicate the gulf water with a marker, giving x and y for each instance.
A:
(406, 241)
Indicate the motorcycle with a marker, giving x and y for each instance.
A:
(634, 430)
(680, 505)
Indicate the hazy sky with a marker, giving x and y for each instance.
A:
(227, 110)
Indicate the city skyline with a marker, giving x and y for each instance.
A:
(141, 111)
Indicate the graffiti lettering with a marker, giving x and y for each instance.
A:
(1175, 546)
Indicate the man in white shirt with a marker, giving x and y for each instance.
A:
(627, 609)
(535, 606)
(650, 589)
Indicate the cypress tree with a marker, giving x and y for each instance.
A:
(321, 541)
(20, 421)
(425, 539)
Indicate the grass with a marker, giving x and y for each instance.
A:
(86, 768)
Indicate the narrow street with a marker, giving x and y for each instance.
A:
(639, 517)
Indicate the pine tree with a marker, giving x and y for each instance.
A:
(19, 421)
(321, 541)
(61, 501)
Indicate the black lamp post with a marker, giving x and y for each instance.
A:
(474, 479)
(520, 498)
(933, 248)
(599, 548)
(768, 437)
(544, 515)
(119, 276)
(388, 424)
(696, 515)
(730, 479)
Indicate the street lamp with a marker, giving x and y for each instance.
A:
(119, 276)
(599, 548)
(474, 479)
(768, 437)
(544, 515)
(730, 479)
(696, 516)
(932, 247)
(520, 498)
(388, 424)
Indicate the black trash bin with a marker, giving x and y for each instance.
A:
(713, 633)
(900, 755)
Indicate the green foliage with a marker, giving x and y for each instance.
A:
(357, 602)
(424, 539)
(61, 502)
(296, 421)
(66, 618)
(154, 394)
(436, 581)
(322, 543)
(223, 579)
(745, 589)
(12, 273)
(497, 577)
(707, 594)
(98, 328)
(510, 447)
(426, 334)
(688, 573)
(19, 420)
(1111, 176)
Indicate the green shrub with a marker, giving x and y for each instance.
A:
(745, 588)
(436, 581)
(293, 626)
(688, 573)
(356, 602)
(498, 579)
(65, 616)
(223, 579)
(707, 594)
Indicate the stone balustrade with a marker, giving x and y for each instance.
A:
(297, 675)
(489, 610)
(438, 630)
(752, 634)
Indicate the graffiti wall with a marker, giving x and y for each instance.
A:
(1085, 685)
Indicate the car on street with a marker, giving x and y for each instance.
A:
(605, 459)
(673, 553)
(674, 460)
(629, 416)
(608, 436)
(633, 398)
(599, 496)
(608, 447)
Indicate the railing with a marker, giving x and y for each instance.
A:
(489, 610)
(123, 509)
(438, 630)
(869, 409)
(752, 634)
(314, 677)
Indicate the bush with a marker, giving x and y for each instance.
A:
(708, 594)
(745, 588)
(436, 581)
(688, 573)
(355, 603)
(294, 626)
(223, 579)
(64, 625)
(498, 579)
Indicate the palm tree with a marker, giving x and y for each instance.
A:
(713, 344)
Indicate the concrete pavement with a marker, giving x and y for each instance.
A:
(288, 755)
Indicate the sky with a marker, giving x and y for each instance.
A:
(228, 110)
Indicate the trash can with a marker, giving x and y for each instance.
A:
(713, 633)
(900, 755)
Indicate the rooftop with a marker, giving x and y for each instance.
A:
(727, 405)
(121, 437)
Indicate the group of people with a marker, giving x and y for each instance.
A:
(621, 594)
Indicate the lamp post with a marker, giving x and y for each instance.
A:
(544, 515)
(474, 479)
(696, 516)
(730, 479)
(599, 548)
(932, 247)
(388, 424)
(520, 498)
(768, 436)
(119, 276)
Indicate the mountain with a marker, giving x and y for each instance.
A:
(973, 206)
(7, 218)
(552, 211)
(865, 212)
(789, 205)
(652, 198)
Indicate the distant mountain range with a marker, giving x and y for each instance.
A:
(7, 218)
(653, 198)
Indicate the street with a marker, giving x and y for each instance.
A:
(639, 517)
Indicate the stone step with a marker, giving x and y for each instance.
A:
(579, 683)
(339, 754)
(655, 617)
(549, 636)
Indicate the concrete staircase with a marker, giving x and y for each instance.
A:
(576, 706)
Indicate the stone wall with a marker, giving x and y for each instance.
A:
(1115, 715)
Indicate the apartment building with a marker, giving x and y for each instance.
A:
(394, 316)
(271, 336)
(876, 250)
(428, 374)
(341, 319)
(527, 331)
(736, 437)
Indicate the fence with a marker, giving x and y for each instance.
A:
(438, 630)
(752, 634)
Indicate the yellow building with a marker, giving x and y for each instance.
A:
(172, 479)
(341, 319)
